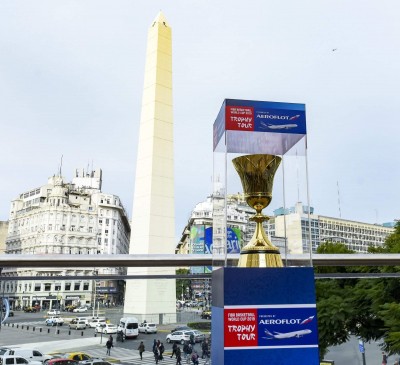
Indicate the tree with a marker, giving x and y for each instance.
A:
(182, 284)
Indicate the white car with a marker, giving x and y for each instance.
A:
(53, 312)
(18, 360)
(178, 336)
(95, 322)
(80, 310)
(147, 328)
(106, 328)
(54, 321)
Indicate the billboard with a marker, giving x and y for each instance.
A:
(264, 316)
(272, 127)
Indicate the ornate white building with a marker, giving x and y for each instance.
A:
(66, 218)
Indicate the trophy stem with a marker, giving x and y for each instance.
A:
(260, 252)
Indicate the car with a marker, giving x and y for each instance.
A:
(76, 356)
(77, 324)
(198, 336)
(17, 360)
(70, 308)
(147, 328)
(28, 354)
(80, 310)
(53, 312)
(95, 322)
(54, 321)
(31, 309)
(206, 314)
(178, 336)
(61, 362)
(106, 328)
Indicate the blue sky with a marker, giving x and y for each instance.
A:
(71, 77)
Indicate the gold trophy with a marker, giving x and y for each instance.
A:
(257, 173)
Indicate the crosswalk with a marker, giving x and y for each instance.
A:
(128, 356)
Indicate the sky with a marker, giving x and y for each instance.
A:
(71, 79)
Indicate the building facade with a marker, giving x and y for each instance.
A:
(197, 236)
(294, 224)
(66, 218)
(3, 236)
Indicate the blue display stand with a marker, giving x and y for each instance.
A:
(264, 316)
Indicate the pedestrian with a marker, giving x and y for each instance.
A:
(178, 356)
(111, 339)
(174, 347)
(141, 349)
(195, 358)
(161, 349)
(156, 350)
(109, 344)
(192, 340)
(384, 358)
(204, 349)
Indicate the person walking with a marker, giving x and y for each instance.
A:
(141, 349)
(195, 358)
(109, 344)
(174, 347)
(384, 358)
(161, 349)
(178, 356)
(204, 349)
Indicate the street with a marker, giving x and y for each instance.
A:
(30, 330)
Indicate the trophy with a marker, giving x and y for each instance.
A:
(257, 173)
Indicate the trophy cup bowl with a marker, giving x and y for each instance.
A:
(257, 173)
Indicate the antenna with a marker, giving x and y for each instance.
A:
(338, 197)
(60, 172)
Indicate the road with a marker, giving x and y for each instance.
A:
(29, 330)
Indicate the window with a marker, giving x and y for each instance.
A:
(20, 360)
(77, 286)
(57, 287)
(90, 229)
(37, 287)
(67, 286)
(47, 287)
(50, 227)
(85, 286)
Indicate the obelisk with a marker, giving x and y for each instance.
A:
(153, 214)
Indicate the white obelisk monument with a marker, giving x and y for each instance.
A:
(153, 214)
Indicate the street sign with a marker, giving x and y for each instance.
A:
(361, 346)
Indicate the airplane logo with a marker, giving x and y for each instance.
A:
(281, 336)
(279, 126)
(295, 117)
(307, 320)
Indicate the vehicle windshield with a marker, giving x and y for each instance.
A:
(132, 326)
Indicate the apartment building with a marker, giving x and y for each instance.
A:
(66, 218)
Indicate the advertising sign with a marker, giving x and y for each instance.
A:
(272, 127)
(233, 238)
(277, 326)
(264, 316)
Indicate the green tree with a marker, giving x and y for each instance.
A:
(333, 301)
(182, 284)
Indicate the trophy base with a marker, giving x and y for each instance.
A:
(258, 257)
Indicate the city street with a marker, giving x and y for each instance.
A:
(33, 333)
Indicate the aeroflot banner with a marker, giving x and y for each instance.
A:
(271, 125)
(270, 326)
